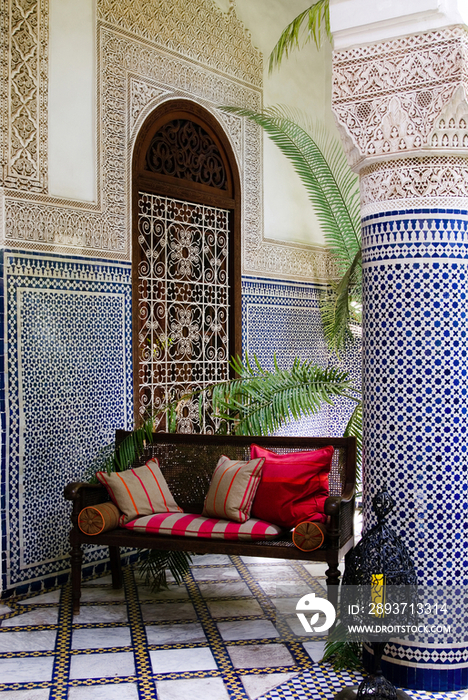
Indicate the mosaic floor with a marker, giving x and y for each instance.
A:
(218, 637)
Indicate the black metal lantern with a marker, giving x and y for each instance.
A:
(380, 561)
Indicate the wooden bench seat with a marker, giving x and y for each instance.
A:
(187, 462)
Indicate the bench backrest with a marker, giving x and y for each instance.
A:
(188, 461)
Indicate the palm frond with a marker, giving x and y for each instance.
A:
(354, 429)
(259, 402)
(314, 19)
(335, 306)
(322, 167)
(342, 653)
(131, 447)
(155, 564)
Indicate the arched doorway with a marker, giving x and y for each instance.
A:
(186, 260)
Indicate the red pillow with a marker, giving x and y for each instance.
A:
(294, 487)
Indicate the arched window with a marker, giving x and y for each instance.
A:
(186, 260)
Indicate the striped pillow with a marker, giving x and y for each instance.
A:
(188, 525)
(140, 491)
(232, 489)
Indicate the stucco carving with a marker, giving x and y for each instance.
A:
(24, 94)
(197, 30)
(389, 99)
(138, 69)
(412, 183)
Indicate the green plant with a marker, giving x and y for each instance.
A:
(259, 401)
(341, 652)
(154, 565)
(313, 20)
(333, 192)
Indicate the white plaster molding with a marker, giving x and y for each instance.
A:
(388, 99)
(2, 216)
(412, 183)
(359, 22)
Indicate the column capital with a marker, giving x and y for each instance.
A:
(402, 97)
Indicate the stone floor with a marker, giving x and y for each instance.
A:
(217, 637)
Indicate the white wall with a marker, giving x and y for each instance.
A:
(72, 103)
(303, 82)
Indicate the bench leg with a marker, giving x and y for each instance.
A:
(333, 581)
(116, 567)
(76, 562)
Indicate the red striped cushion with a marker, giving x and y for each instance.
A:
(139, 491)
(188, 525)
(232, 489)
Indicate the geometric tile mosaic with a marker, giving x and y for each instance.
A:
(283, 318)
(69, 388)
(415, 365)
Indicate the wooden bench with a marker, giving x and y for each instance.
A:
(187, 462)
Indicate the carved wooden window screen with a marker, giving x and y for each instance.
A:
(183, 304)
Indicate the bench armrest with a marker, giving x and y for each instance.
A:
(340, 511)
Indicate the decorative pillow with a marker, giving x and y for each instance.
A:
(294, 486)
(139, 491)
(93, 520)
(187, 525)
(308, 536)
(232, 489)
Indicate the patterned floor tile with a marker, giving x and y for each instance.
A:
(247, 629)
(102, 665)
(101, 638)
(175, 634)
(260, 656)
(26, 670)
(234, 608)
(43, 640)
(122, 691)
(220, 636)
(257, 685)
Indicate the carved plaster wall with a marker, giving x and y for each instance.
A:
(147, 53)
(401, 96)
(23, 79)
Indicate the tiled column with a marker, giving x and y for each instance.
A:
(402, 111)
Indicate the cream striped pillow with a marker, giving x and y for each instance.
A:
(232, 489)
(140, 491)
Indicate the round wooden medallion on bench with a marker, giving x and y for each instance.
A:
(308, 536)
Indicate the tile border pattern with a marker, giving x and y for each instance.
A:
(86, 282)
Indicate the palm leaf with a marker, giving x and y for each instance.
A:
(260, 402)
(154, 566)
(342, 653)
(322, 167)
(354, 429)
(335, 306)
(314, 18)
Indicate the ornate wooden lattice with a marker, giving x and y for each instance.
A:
(182, 304)
(182, 148)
